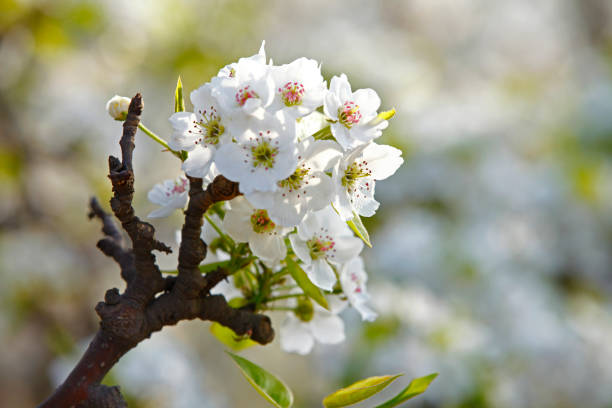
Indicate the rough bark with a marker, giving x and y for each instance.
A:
(149, 301)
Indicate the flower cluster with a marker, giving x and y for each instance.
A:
(306, 162)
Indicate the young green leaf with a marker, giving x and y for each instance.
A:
(416, 387)
(266, 384)
(358, 228)
(303, 282)
(179, 101)
(323, 134)
(206, 268)
(228, 337)
(382, 116)
(358, 391)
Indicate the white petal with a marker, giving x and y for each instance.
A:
(241, 205)
(336, 304)
(362, 199)
(267, 246)
(184, 131)
(342, 204)
(331, 104)
(295, 337)
(340, 86)
(368, 102)
(261, 199)
(238, 225)
(322, 154)
(198, 162)
(343, 136)
(300, 248)
(321, 274)
(327, 328)
(161, 212)
(347, 248)
(320, 191)
(367, 314)
(230, 161)
(382, 160)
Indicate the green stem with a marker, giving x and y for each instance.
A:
(223, 236)
(159, 140)
(280, 308)
(281, 297)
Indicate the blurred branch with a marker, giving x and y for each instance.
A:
(128, 318)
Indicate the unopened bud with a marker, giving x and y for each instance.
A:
(304, 310)
(117, 107)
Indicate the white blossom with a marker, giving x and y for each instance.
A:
(307, 189)
(200, 133)
(322, 239)
(353, 113)
(299, 87)
(245, 223)
(117, 107)
(263, 155)
(298, 336)
(354, 178)
(244, 87)
(353, 278)
(170, 195)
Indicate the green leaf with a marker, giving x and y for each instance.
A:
(228, 337)
(358, 391)
(358, 228)
(382, 116)
(324, 134)
(179, 101)
(214, 265)
(303, 282)
(266, 384)
(416, 387)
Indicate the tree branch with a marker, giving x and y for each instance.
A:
(127, 319)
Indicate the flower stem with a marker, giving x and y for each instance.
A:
(280, 308)
(223, 236)
(281, 297)
(159, 140)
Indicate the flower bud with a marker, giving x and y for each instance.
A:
(304, 310)
(117, 107)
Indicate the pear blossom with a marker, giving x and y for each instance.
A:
(298, 335)
(353, 278)
(354, 178)
(299, 87)
(245, 223)
(263, 155)
(117, 107)
(307, 189)
(170, 195)
(353, 113)
(322, 239)
(244, 87)
(200, 133)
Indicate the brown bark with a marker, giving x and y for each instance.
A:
(128, 318)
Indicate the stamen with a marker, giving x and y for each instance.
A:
(349, 114)
(292, 93)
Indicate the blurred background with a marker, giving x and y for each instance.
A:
(492, 260)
